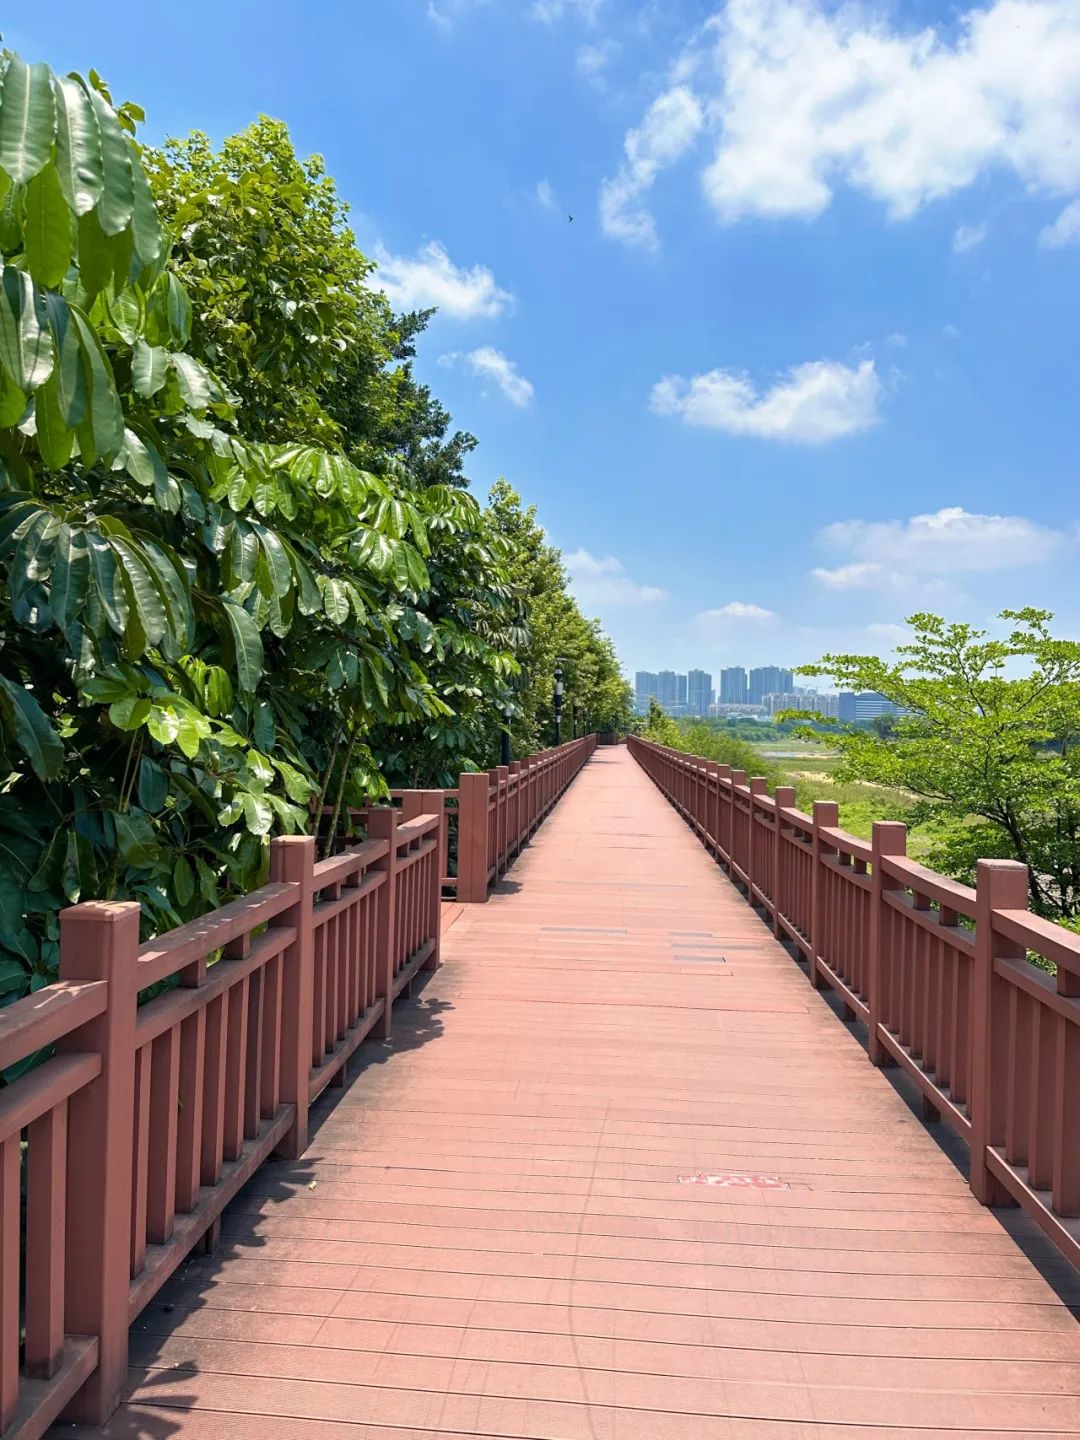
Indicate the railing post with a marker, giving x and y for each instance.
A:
(1000, 885)
(712, 807)
(434, 803)
(292, 862)
(473, 838)
(889, 838)
(100, 941)
(382, 824)
(724, 822)
(758, 786)
(502, 818)
(826, 817)
(783, 798)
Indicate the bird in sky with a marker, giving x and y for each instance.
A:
(570, 218)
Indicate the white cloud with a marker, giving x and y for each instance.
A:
(735, 610)
(601, 582)
(967, 237)
(897, 340)
(816, 402)
(801, 97)
(900, 554)
(669, 128)
(545, 193)
(492, 364)
(551, 11)
(1065, 230)
(432, 278)
(951, 332)
(593, 60)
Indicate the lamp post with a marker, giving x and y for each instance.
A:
(507, 716)
(575, 712)
(558, 704)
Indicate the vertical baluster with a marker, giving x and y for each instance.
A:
(189, 1131)
(46, 1230)
(10, 1177)
(826, 817)
(140, 1166)
(252, 1119)
(213, 1124)
(1001, 885)
(164, 1122)
(1066, 1110)
(270, 1079)
(235, 1069)
(1040, 1121)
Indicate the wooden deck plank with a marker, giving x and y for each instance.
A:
(495, 1232)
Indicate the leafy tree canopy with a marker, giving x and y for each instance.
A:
(987, 742)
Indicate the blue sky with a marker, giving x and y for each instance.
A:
(804, 361)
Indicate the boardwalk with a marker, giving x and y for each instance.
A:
(499, 1229)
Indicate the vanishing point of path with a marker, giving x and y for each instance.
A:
(499, 1230)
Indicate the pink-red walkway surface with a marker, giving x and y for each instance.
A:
(501, 1230)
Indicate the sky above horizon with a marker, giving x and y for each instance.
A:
(805, 359)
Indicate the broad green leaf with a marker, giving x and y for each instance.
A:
(247, 646)
(27, 119)
(135, 837)
(69, 374)
(153, 785)
(335, 601)
(146, 230)
(258, 815)
(55, 437)
(189, 734)
(178, 310)
(104, 422)
(107, 584)
(78, 874)
(47, 229)
(127, 312)
(13, 973)
(149, 368)
(183, 878)
(12, 402)
(11, 218)
(193, 380)
(143, 596)
(263, 725)
(118, 195)
(97, 254)
(25, 343)
(78, 147)
(70, 575)
(33, 731)
(141, 461)
(163, 724)
(277, 560)
(130, 713)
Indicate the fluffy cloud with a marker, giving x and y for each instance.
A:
(593, 60)
(492, 364)
(800, 97)
(601, 582)
(1064, 231)
(670, 126)
(735, 610)
(816, 402)
(431, 278)
(545, 193)
(967, 237)
(552, 10)
(894, 554)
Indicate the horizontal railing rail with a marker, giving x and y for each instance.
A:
(941, 974)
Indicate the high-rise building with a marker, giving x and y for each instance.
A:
(869, 705)
(769, 680)
(698, 692)
(733, 686)
(668, 689)
(845, 708)
(680, 691)
(646, 688)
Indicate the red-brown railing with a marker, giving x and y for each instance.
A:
(498, 810)
(938, 972)
(147, 1119)
(492, 813)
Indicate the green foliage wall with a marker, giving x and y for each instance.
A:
(239, 573)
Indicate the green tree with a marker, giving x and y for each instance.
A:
(985, 740)
(556, 631)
